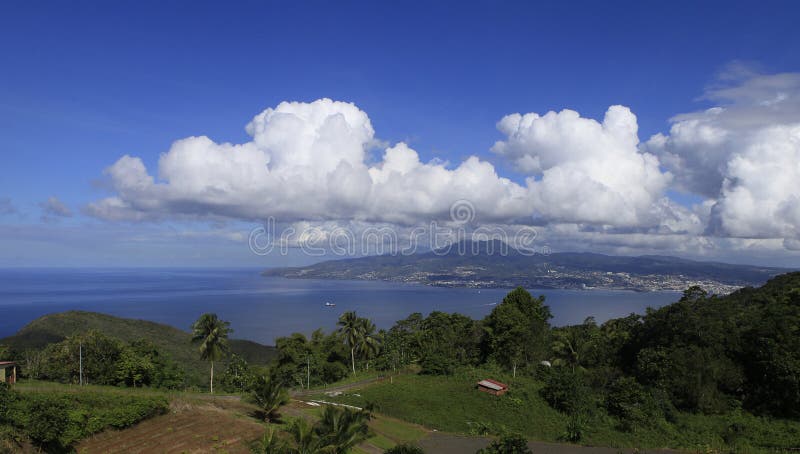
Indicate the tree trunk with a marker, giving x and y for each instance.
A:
(515, 370)
(212, 377)
(353, 358)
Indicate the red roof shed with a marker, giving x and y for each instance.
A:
(492, 387)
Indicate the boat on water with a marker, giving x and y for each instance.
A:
(329, 304)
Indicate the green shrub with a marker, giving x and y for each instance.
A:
(486, 428)
(9, 440)
(565, 390)
(573, 432)
(45, 422)
(57, 420)
(6, 400)
(333, 372)
(629, 401)
(237, 378)
(509, 444)
(405, 448)
(436, 363)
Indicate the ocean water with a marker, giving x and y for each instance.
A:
(261, 308)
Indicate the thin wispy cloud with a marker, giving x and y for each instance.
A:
(54, 209)
(7, 206)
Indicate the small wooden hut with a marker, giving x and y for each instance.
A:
(492, 387)
(8, 372)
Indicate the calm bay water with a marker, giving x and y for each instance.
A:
(261, 308)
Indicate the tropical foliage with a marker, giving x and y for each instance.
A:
(269, 394)
(704, 355)
(359, 336)
(211, 334)
(404, 448)
(337, 431)
(509, 444)
(106, 361)
(54, 420)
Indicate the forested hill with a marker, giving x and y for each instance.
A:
(53, 328)
(494, 264)
(708, 352)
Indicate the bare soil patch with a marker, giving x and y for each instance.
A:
(217, 426)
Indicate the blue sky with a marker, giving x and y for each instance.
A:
(84, 83)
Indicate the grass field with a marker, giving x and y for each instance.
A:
(452, 404)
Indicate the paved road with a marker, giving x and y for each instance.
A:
(437, 443)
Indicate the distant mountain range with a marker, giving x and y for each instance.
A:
(481, 265)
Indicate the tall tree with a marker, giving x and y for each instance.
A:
(369, 343)
(212, 335)
(517, 329)
(506, 333)
(573, 345)
(352, 330)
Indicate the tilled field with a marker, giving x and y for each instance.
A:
(192, 429)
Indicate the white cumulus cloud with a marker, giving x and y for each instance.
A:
(306, 161)
(309, 162)
(744, 154)
(587, 171)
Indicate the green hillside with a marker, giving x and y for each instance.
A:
(56, 327)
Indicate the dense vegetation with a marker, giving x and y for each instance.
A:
(54, 420)
(708, 370)
(735, 356)
(105, 361)
(26, 346)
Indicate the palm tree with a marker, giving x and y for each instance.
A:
(336, 432)
(572, 345)
(269, 395)
(306, 440)
(351, 328)
(212, 335)
(369, 343)
(342, 428)
(566, 350)
(271, 443)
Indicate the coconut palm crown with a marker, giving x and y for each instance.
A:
(212, 335)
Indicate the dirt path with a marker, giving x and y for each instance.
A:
(340, 388)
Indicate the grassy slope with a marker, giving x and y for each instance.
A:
(55, 327)
(452, 404)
